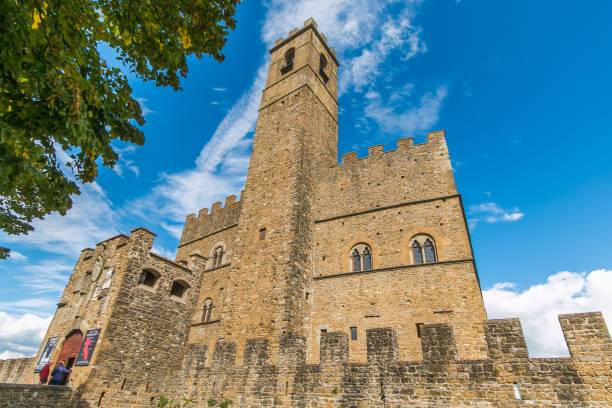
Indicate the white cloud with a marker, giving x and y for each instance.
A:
(166, 253)
(21, 336)
(363, 35)
(539, 305)
(219, 171)
(350, 26)
(92, 219)
(491, 213)
(6, 354)
(30, 305)
(124, 161)
(46, 276)
(361, 31)
(143, 107)
(17, 256)
(395, 118)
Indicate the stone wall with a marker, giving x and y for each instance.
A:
(411, 173)
(146, 333)
(205, 224)
(507, 377)
(87, 299)
(35, 396)
(15, 370)
(439, 379)
(388, 233)
(401, 297)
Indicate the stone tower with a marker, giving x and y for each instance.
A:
(296, 133)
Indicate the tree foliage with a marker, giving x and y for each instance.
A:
(62, 103)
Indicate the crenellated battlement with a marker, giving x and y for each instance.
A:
(206, 222)
(411, 172)
(505, 339)
(506, 378)
(439, 379)
(407, 144)
(15, 370)
(308, 24)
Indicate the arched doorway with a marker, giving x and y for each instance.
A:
(70, 348)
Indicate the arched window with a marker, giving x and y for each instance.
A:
(288, 61)
(417, 253)
(430, 252)
(367, 259)
(148, 277)
(356, 260)
(361, 258)
(207, 310)
(217, 257)
(423, 249)
(322, 66)
(179, 288)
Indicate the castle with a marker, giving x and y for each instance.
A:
(327, 284)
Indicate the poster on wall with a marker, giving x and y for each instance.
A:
(45, 356)
(87, 348)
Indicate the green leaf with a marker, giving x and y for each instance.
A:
(57, 92)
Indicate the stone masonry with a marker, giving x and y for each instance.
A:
(348, 284)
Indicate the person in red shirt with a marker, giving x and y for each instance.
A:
(44, 374)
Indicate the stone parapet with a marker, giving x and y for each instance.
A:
(34, 396)
(206, 223)
(412, 172)
(440, 379)
(15, 370)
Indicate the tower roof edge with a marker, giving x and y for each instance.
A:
(310, 24)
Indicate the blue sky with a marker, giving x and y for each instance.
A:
(522, 89)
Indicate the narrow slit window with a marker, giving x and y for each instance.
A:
(417, 253)
(367, 259)
(353, 333)
(220, 257)
(356, 261)
(262, 234)
(207, 310)
(322, 66)
(517, 393)
(217, 257)
(288, 61)
(419, 329)
(430, 252)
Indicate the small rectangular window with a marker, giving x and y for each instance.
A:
(323, 330)
(419, 327)
(177, 289)
(353, 333)
(262, 234)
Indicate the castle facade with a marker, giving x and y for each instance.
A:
(327, 284)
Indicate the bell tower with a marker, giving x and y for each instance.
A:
(296, 134)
